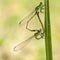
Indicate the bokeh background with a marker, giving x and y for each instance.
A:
(11, 33)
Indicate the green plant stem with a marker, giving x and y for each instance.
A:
(48, 44)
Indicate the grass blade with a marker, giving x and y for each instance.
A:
(48, 44)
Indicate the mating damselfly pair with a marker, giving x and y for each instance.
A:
(38, 9)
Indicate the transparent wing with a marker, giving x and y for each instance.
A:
(21, 45)
(27, 17)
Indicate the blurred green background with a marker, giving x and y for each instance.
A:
(11, 33)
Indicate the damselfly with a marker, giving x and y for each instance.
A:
(37, 32)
